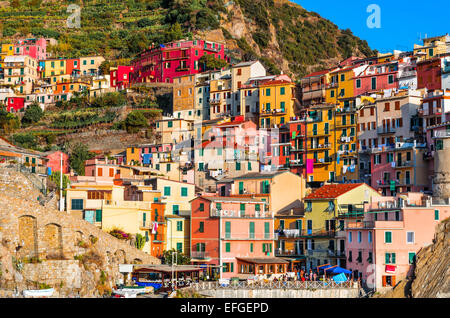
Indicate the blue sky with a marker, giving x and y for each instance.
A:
(402, 22)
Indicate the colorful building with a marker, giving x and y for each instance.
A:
(381, 248)
(323, 208)
(234, 238)
(34, 48)
(20, 73)
(54, 161)
(120, 77)
(164, 62)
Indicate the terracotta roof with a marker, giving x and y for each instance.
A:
(317, 73)
(332, 191)
(276, 82)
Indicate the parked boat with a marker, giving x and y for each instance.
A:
(39, 292)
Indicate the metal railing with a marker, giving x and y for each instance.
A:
(199, 255)
(274, 285)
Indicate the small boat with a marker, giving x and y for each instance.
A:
(39, 292)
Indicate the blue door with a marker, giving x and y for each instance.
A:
(89, 216)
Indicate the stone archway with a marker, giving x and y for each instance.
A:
(52, 245)
(120, 256)
(28, 237)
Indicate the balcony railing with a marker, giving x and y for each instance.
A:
(241, 214)
(404, 164)
(441, 134)
(290, 233)
(360, 225)
(386, 130)
(200, 255)
(284, 252)
(321, 146)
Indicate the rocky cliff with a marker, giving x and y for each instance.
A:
(41, 247)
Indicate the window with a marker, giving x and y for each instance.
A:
(251, 247)
(252, 230)
(179, 225)
(359, 237)
(282, 91)
(201, 228)
(369, 237)
(184, 192)
(176, 209)
(342, 77)
(389, 258)
(358, 83)
(436, 215)
(410, 237)
(238, 166)
(411, 258)
(169, 124)
(166, 190)
(219, 206)
(267, 91)
(228, 247)
(332, 93)
(350, 237)
(391, 79)
(266, 230)
(77, 204)
(227, 230)
(202, 207)
(388, 237)
(374, 83)
(179, 247)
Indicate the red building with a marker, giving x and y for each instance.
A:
(54, 161)
(429, 74)
(15, 104)
(73, 67)
(163, 63)
(120, 77)
(376, 77)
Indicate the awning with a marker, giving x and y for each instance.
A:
(390, 269)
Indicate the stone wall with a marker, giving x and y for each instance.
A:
(30, 232)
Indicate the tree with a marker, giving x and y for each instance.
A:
(135, 121)
(210, 62)
(174, 33)
(33, 114)
(78, 155)
(140, 241)
(8, 122)
(179, 257)
(55, 177)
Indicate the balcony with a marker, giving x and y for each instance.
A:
(321, 133)
(320, 147)
(345, 110)
(293, 149)
(284, 252)
(441, 134)
(288, 233)
(272, 112)
(346, 139)
(241, 214)
(325, 161)
(157, 238)
(385, 130)
(297, 163)
(200, 255)
(404, 164)
(318, 233)
(360, 225)
(341, 124)
(145, 225)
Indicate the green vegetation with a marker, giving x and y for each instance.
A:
(25, 140)
(209, 62)
(8, 121)
(179, 257)
(79, 153)
(55, 178)
(122, 29)
(33, 114)
(140, 241)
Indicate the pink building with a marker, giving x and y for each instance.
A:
(120, 77)
(35, 48)
(381, 247)
(54, 161)
(376, 77)
(234, 237)
(164, 62)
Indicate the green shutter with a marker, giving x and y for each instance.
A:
(219, 206)
(201, 229)
(257, 207)
(266, 230)
(202, 207)
(227, 247)
(184, 192)
(252, 231)
(179, 226)
(393, 258)
(388, 237)
(251, 247)
(387, 258)
(232, 267)
(241, 187)
(166, 190)
(180, 247)
(436, 215)
(227, 229)
(98, 215)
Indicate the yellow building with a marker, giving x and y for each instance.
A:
(105, 207)
(178, 233)
(432, 47)
(55, 70)
(276, 100)
(323, 208)
(6, 50)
